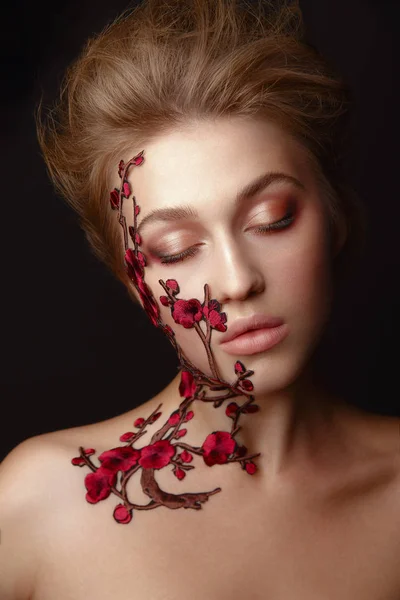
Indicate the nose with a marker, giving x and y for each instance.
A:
(237, 273)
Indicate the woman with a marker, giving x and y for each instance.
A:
(200, 143)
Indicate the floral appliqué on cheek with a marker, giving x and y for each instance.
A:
(167, 448)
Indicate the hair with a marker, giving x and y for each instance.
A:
(166, 63)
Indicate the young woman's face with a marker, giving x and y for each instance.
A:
(285, 272)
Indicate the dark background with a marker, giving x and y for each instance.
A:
(74, 348)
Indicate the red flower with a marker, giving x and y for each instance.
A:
(186, 456)
(126, 189)
(99, 484)
(126, 437)
(138, 160)
(187, 386)
(181, 433)
(179, 473)
(239, 367)
(231, 409)
(155, 417)
(216, 448)
(121, 514)
(172, 284)
(114, 198)
(151, 307)
(89, 451)
(121, 167)
(139, 422)
(241, 450)
(119, 459)
(164, 300)
(79, 460)
(134, 268)
(189, 415)
(174, 418)
(212, 313)
(247, 385)
(251, 468)
(157, 455)
(187, 312)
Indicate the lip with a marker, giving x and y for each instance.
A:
(256, 340)
(255, 321)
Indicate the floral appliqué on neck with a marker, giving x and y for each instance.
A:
(167, 447)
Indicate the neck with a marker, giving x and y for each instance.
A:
(291, 430)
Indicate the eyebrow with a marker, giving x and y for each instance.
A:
(177, 213)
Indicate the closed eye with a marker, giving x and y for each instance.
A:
(281, 224)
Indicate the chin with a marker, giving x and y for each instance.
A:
(279, 368)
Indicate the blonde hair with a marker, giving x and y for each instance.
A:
(166, 62)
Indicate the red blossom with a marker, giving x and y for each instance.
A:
(121, 458)
(212, 313)
(247, 385)
(150, 306)
(138, 160)
(172, 284)
(220, 446)
(121, 514)
(155, 417)
(121, 167)
(164, 300)
(157, 455)
(251, 468)
(174, 418)
(239, 367)
(114, 199)
(89, 451)
(134, 268)
(187, 312)
(187, 386)
(231, 409)
(126, 437)
(179, 473)
(99, 484)
(241, 450)
(186, 456)
(216, 448)
(126, 189)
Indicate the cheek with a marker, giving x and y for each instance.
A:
(188, 339)
(304, 271)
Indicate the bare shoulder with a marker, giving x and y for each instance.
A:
(26, 476)
(41, 491)
(382, 434)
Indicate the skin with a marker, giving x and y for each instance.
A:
(285, 273)
(320, 518)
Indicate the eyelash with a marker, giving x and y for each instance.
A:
(281, 224)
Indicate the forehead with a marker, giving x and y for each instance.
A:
(203, 161)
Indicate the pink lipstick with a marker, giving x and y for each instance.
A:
(255, 334)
